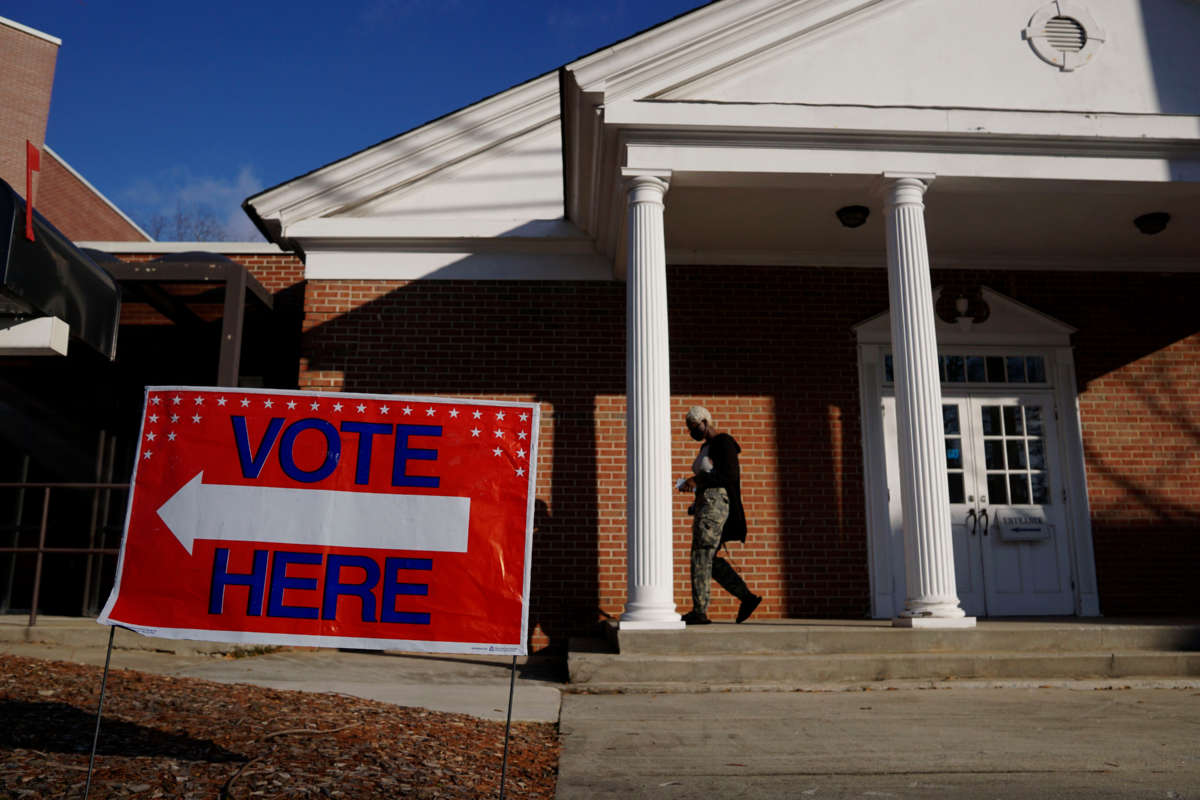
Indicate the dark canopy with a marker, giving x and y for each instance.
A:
(50, 277)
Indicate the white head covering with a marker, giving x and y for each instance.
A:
(698, 414)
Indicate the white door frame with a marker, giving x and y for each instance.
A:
(1011, 328)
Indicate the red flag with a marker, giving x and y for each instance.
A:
(32, 165)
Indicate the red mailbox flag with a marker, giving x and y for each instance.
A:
(33, 163)
(331, 520)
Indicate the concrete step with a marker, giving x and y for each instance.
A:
(878, 637)
(610, 669)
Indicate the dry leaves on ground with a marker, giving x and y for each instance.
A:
(186, 738)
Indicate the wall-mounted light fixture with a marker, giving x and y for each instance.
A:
(853, 216)
(1152, 223)
(969, 309)
(962, 304)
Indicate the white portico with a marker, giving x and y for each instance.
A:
(977, 135)
(756, 176)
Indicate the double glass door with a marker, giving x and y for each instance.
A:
(1005, 493)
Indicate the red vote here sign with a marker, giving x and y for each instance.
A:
(330, 519)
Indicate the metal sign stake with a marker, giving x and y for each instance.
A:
(112, 629)
(512, 682)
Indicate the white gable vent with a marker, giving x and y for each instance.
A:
(1064, 34)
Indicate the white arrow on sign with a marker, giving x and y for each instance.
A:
(316, 517)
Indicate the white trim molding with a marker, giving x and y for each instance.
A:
(409, 157)
(31, 31)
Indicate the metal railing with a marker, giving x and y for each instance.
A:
(42, 550)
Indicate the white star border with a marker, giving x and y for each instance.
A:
(472, 413)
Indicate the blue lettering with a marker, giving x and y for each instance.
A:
(334, 587)
(221, 578)
(252, 465)
(366, 432)
(404, 453)
(280, 581)
(333, 450)
(394, 588)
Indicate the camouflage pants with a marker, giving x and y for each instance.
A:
(712, 509)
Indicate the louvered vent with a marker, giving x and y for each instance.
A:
(1065, 34)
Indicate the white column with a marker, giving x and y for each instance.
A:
(932, 599)
(651, 596)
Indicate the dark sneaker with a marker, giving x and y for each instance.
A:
(747, 607)
(696, 618)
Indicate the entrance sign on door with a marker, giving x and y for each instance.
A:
(330, 519)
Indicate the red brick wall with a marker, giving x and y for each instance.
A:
(1142, 439)
(771, 353)
(26, 79)
(760, 346)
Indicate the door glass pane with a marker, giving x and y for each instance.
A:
(995, 369)
(954, 453)
(1016, 454)
(976, 372)
(950, 420)
(1035, 366)
(1019, 487)
(991, 421)
(993, 453)
(1041, 487)
(942, 367)
(1012, 421)
(1037, 455)
(955, 369)
(889, 373)
(997, 489)
(1033, 420)
(957, 495)
(1016, 369)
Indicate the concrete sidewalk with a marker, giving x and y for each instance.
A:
(932, 743)
(466, 684)
(946, 739)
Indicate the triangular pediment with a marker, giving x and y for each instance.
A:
(1140, 58)
(990, 318)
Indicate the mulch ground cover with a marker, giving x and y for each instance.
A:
(187, 738)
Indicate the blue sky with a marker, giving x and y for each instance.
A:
(163, 102)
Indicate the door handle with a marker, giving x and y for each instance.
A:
(974, 520)
(983, 516)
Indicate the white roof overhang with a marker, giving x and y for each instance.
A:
(777, 147)
(745, 177)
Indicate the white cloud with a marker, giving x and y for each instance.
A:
(178, 188)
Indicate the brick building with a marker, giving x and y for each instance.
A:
(78, 209)
(911, 254)
(932, 264)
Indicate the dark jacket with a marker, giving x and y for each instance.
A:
(726, 473)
